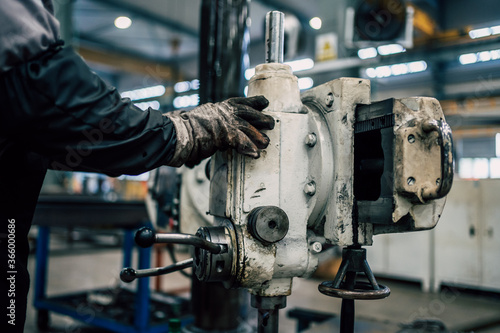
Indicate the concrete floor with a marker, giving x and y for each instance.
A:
(82, 267)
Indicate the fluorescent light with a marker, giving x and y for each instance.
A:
(484, 56)
(417, 66)
(396, 69)
(399, 69)
(182, 86)
(150, 104)
(390, 49)
(479, 33)
(305, 83)
(367, 53)
(495, 30)
(371, 72)
(144, 93)
(383, 71)
(296, 65)
(484, 32)
(195, 84)
(186, 101)
(495, 54)
(468, 58)
(383, 50)
(301, 65)
(123, 22)
(315, 23)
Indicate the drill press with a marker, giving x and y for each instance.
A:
(339, 170)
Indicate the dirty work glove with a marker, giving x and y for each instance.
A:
(233, 123)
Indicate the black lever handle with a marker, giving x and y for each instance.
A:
(146, 237)
(129, 274)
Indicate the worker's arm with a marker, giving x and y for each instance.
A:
(61, 110)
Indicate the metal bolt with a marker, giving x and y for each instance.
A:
(329, 100)
(411, 138)
(438, 181)
(410, 181)
(310, 188)
(311, 139)
(317, 247)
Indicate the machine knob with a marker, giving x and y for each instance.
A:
(127, 274)
(269, 224)
(145, 237)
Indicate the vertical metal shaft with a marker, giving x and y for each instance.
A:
(268, 308)
(224, 38)
(268, 321)
(275, 36)
(347, 310)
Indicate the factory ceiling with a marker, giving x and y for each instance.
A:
(164, 38)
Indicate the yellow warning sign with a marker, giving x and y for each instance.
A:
(326, 46)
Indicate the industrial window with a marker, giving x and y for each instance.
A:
(479, 158)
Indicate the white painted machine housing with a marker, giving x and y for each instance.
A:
(307, 171)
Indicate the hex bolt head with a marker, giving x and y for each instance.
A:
(310, 188)
(316, 247)
(329, 100)
(311, 139)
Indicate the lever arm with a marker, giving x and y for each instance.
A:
(146, 237)
(129, 274)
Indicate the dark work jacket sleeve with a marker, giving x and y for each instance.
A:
(59, 109)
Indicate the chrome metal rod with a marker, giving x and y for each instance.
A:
(189, 240)
(130, 274)
(275, 36)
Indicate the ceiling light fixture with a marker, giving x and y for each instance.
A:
(484, 32)
(123, 22)
(390, 49)
(396, 69)
(315, 23)
(484, 56)
(144, 93)
(369, 52)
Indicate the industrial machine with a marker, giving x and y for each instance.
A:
(339, 170)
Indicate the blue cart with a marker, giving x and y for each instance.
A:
(132, 311)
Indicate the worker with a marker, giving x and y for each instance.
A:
(57, 114)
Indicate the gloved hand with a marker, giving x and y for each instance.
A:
(233, 123)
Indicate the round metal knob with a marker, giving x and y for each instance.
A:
(269, 224)
(145, 237)
(127, 274)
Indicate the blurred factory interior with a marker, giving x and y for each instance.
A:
(160, 53)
